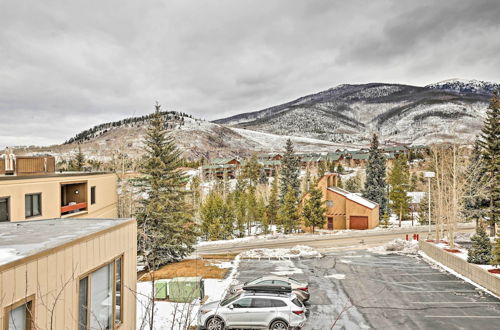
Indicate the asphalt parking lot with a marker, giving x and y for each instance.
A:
(364, 290)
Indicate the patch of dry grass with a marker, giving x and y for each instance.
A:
(191, 267)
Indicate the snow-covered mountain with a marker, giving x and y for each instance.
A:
(399, 113)
(463, 86)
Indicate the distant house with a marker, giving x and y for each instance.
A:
(220, 168)
(358, 159)
(271, 156)
(345, 210)
(270, 167)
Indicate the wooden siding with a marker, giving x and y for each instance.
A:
(57, 273)
(2, 166)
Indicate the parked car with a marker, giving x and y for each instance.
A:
(254, 310)
(301, 289)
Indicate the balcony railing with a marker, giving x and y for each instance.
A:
(75, 207)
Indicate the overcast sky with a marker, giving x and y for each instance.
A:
(68, 65)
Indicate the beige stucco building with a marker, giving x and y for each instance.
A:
(74, 274)
(58, 195)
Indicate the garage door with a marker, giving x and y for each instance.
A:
(359, 222)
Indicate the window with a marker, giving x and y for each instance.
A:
(4, 209)
(278, 303)
(283, 283)
(243, 303)
(33, 205)
(262, 303)
(100, 298)
(297, 302)
(18, 316)
(92, 195)
(329, 203)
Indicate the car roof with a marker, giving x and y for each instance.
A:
(268, 295)
(276, 277)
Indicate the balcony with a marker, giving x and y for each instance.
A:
(73, 198)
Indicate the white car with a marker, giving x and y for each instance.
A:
(254, 310)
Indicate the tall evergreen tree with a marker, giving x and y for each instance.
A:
(375, 185)
(340, 169)
(290, 169)
(495, 258)
(288, 216)
(313, 211)
(273, 204)
(79, 160)
(399, 182)
(217, 218)
(490, 143)
(475, 198)
(166, 230)
(251, 170)
(480, 251)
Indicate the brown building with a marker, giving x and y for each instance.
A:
(68, 274)
(58, 195)
(345, 210)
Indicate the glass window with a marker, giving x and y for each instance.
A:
(33, 205)
(4, 209)
(118, 290)
(278, 303)
(283, 283)
(100, 297)
(19, 317)
(92, 195)
(243, 303)
(297, 302)
(267, 282)
(83, 304)
(262, 303)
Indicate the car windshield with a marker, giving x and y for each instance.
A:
(229, 300)
(252, 281)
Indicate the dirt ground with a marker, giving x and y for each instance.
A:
(205, 267)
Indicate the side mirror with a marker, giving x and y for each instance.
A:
(230, 307)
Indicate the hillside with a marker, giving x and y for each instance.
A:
(445, 111)
(195, 138)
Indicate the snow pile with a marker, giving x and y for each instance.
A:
(397, 246)
(8, 255)
(298, 251)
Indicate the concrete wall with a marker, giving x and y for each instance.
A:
(45, 275)
(471, 271)
(50, 188)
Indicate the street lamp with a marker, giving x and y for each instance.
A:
(429, 175)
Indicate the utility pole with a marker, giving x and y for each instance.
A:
(429, 175)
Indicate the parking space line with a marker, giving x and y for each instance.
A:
(455, 302)
(422, 282)
(437, 291)
(464, 316)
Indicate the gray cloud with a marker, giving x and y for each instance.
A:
(68, 65)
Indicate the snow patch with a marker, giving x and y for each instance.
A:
(337, 276)
(397, 246)
(298, 251)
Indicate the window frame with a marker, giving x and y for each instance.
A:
(30, 302)
(115, 325)
(93, 195)
(39, 205)
(7, 198)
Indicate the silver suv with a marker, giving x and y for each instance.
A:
(254, 310)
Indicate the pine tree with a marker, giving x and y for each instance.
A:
(375, 185)
(260, 214)
(480, 251)
(273, 204)
(340, 169)
(217, 218)
(290, 168)
(490, 144)
(385, 220)
(251, 170)
(239, 205)
(475, 200)
(166, 230)
(331, 167)
(322, 168)
(288, 216)
(252, 216)
(353, 184)
(399, 181)
(79, 160)
(313, 211)
(495, 259)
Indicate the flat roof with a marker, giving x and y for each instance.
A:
(21, 239)
(49, 175)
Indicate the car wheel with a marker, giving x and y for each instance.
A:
(278, 325)
(215, 323)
